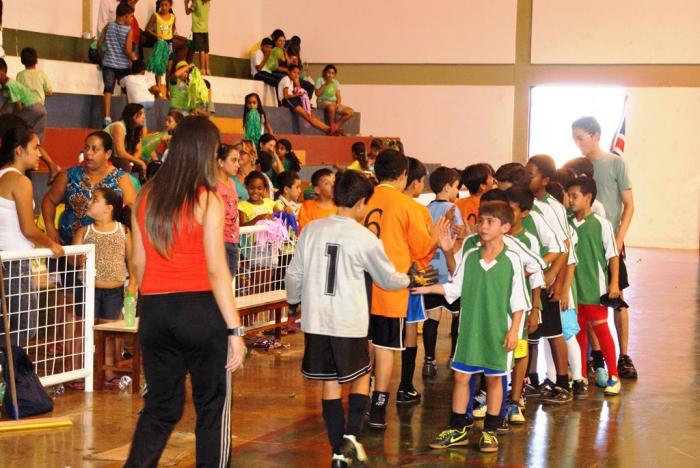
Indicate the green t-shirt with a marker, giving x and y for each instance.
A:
(180, 96)
(329, 92)
(273, 60)
(14, 91)
(37, 81)
(596, 246)
(612, 177)
(490, 294)
(200, 16)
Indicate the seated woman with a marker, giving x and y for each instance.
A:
(290, 93)
(126, 135)
(328, 98)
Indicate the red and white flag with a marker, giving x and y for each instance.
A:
(618, 142)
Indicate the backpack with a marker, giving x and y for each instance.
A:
(32, 399)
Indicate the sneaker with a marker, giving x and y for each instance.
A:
(546, 388)
(557, 396)
(339, 461)
(626, 368)
(580, 390)
(106, 122)
(488, 442)
(530, 391)
(480, 397)
(407, 397)
(522, 402)
(614, 386)
(515, 414)
(503, 427)
(450, 438)
(353, 451)
(430, 368)
(479, 411)
(377, 417)
(601, 377)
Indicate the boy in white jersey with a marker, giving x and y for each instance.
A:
(326, 274)
(598, 254)
(491, 285)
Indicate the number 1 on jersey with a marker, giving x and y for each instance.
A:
(332, 270)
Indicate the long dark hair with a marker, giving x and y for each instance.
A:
(296, 164)
(120, 212)
(14, 137)
(133, 133)
(172, 193)
(261, 110)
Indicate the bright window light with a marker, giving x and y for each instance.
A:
(553, 108)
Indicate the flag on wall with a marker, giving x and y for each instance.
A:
(618, 142)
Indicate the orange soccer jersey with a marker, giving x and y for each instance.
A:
(310, 210)
(401, 225)
(469, 208)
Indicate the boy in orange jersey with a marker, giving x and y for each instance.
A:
(478, 180)
(322, 181)
(392, 216)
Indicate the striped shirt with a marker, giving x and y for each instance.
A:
(115, 38)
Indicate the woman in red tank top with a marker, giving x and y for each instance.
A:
(188, 319)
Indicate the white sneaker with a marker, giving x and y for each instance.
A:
(614, 386)
(479, 412)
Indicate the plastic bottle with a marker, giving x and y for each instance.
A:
(125, 384)
(129, 310)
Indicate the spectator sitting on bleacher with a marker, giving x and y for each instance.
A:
(255, 121)
(290, 95)
(258, 64)
(329, 99)
(284, 152)
(294, 58)
(126, 135)
(322, 182)
(179, 88)
(140, 88)
(289, 193)
(277, 61)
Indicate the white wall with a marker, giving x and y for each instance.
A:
(62, 17)
(662, 149)
(398, 31)
(452, 125)
(620, 31)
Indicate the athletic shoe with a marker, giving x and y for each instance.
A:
(580, 390)
(339, 461)
(530, 391)
(377, 417)
(430, 368)
(557, 396)
(515, 415)
(480, 397)
(614, 386)
(522, 402)
(626, 368)
(488, 442)
(106, 122)
(546, 388)
(353, 451)
(503, 427)
(407, 397)
(601, 377)
(450, 438)
(479, 411)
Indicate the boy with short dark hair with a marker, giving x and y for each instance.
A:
(322, 182)
(326, 275)
(478, 180)
(392, 217)
(444, 183)
(491, 285)
(512, 174)
(598, 255)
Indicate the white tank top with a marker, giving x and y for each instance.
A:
(11, 237)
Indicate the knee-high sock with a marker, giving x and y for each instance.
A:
(334, 416)
(408, 367)
(607, 346)
(574, 351)
(454, 333)
(551, 368)
(582, 338)
(430, 331)
(356, 411)
(532, 353)
(504, 401)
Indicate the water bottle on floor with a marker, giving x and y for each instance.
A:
(129, 311)
(125, 384)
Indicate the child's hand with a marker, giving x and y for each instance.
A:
(549, 278)
(424, 277)
(447, 241)
(439, 227)
(613, 291)
(533, 320)
(57, 249)
(423, 290)
(511, 340)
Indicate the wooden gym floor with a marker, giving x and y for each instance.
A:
(277, 420)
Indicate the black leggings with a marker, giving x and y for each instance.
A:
(181, 333)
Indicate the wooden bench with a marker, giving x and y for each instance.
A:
(131, 340)
(261, 302)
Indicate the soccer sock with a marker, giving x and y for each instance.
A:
(457, 420)
(356, 411)
(598, 360)
(472, 391)
(504, 402)
(408, 366)
(549, 359)
(491, 422)
(534, 379)
(334, 417)
(574, 351)
(454, 333)
(607, 346)
(430, 330)
(379, 401)
(563, 381)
